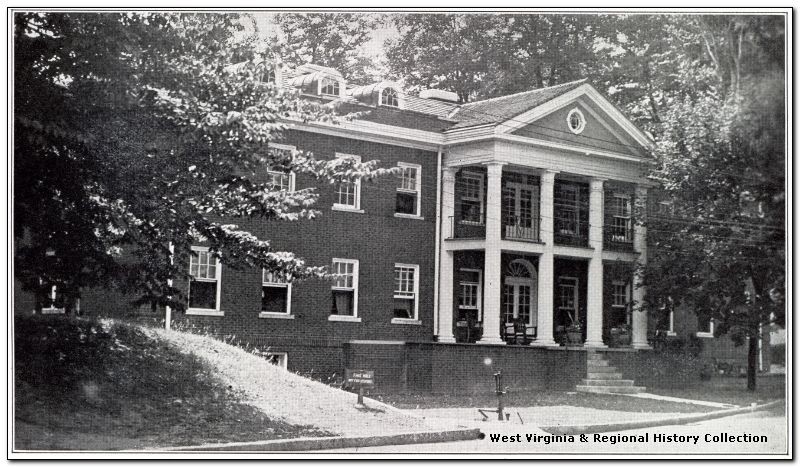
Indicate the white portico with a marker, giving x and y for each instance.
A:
(539, 238)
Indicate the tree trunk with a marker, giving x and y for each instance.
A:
(752, 359)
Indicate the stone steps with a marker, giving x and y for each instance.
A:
(604, 378)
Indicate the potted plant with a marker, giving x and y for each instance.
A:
(574, 331)
(621, 335)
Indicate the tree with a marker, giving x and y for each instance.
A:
(133, 133)
(334, 40)
(721, 159)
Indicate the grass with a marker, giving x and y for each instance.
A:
(724, 390)
(87, 384)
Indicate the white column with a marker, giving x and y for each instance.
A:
(544, 325)
(639, 318)
(594, 296)
(492, 274)
(445, 315)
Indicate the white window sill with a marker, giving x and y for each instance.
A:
(703, 334)
(203, 312)
(471, 223)
(406, 321)
(408, 216)
(338, 207)
(275, 315)
(344, 318)
(671, 334)
(52, 311)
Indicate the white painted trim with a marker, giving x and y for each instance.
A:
(568, 147)
(407, 216)
(481, 195)
(52, 310)
(357, 198)
(218, 278)
(322, 79)
(344, 318)
(354, 316)
(285, 285)
(581, 123)
(479, 296)
(565, 99)
(374, 132)
(342, 208)
(437, 251)
(283, 358)
(418, 191)
(710, 333)
(406, 321)
(415, 267)
(401, 104)
(285, 147)
(272, 315)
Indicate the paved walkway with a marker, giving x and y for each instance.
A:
(645, 395)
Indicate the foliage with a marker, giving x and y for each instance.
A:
(146, 141)
(334, 40)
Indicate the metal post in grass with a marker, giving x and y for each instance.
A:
(499, 391)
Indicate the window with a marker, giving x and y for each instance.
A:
(204, 284)
(705, 326)
(277, 358)
(348, 194)
(52, 301)
(329, 87)
(344, 290)
(566, 209)
(389, 98)
(665, 208)
(472, 198)
(621, 221)
(276, 295)
(469, 296)
(568, 292)
(406, 292)
(409, 192)
(280, 179)
(619, 294)
(576, 121)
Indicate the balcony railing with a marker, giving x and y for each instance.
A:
(517, 228)
(465, 229)
(616, 237)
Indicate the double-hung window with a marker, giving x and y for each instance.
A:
(276, 295)
(472, 197)
(619, 302)
(621, 229)
(409, 192)
(348, 193)
(469, 295)
(52, 301)
(344, 305)
(406, 292)
(281, 179)
(205, 282)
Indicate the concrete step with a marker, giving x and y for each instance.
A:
(603, 375)
(607, 382)
(610, 389)
(601, 369)
(597, 362)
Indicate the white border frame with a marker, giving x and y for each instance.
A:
(480, 292)
(581, 117)
(354, 317)
(418, 192)
(346, 207)
(415, 319)
(51, 310)
(283, 356)
(466, 173)
(218, 273)
(710, 333)
(274, 314)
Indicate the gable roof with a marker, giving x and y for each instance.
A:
(501, 109)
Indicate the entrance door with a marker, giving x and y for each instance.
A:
(519, 301)
(521, 211)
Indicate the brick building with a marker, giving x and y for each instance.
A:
(509, 234)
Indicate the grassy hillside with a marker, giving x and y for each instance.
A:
(86, 384)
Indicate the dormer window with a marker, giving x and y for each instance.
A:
(329, 87)
(389, 98)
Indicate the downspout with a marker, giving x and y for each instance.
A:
(436, 266)
(168, 309)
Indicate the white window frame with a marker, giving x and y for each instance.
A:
(324, 81)
(479, 296)
(481, 196)
(397, 96)
(581, 123)
(710, 333)
(357, 198)
(217, 311)
(627, 295)
(284, 147)
(285, 285)
(572, 281)
(52, 310)
(283, 358)
(415, 318)
(347, 318)
(418, 183)
(628, 236)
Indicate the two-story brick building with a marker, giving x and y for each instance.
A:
(509, 233)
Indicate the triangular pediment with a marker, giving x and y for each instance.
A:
(582, 118)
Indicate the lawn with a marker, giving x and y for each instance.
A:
(86, 384)
(724, 390)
